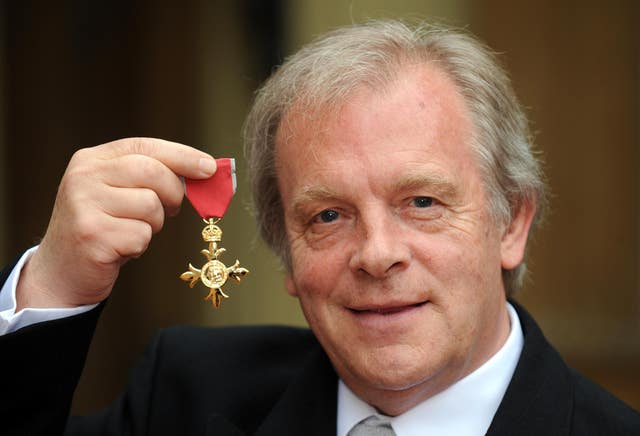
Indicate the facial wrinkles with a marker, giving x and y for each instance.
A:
(451, 264)
(458, 222)
(353, 151)
(353, 144)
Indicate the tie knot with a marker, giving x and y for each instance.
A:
(373, 426)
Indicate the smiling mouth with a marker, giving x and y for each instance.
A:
(388, 310)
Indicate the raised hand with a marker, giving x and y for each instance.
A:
(111, 200)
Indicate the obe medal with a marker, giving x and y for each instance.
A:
(210, 198)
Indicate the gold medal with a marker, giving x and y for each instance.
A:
(213, 274)
(210, 198)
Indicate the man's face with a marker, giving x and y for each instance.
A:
(395, 259)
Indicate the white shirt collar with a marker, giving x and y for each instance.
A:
(466, 408)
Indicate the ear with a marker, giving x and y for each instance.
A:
(290, 285)
(514, 239)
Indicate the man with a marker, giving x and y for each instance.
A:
(393, 173)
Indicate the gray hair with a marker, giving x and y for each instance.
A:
(327, 70)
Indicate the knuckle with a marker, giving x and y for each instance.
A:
(138, 244)
(153, 210)
(81, 155)
(76, 189)
(158, 221)
(128, 146)
(149, 202)
(83, 166)
(144, 146)
(86, 228)
(147, 169)
(74, 179)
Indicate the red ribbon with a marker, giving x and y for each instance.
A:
(211, 197)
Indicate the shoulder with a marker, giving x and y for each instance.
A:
(272, 354)
(545, 393)
(596, 411)
(237, 372)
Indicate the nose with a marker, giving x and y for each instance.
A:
(380, 248)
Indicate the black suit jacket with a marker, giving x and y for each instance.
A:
(261, 381)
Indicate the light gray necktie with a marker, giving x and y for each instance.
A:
(372, 426)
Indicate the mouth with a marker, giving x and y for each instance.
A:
(386, 319)
(389, 309)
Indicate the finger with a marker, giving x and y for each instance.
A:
(128, 238)
(140, 204)
(139, 171)
(181, 159)
(101, 239)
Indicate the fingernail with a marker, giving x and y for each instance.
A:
(207, 166)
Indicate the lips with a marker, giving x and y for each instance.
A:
(387, 309)
(380, 321)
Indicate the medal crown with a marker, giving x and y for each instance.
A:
(212, 233)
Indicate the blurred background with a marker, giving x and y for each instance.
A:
(79, 73)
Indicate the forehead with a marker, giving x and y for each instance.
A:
(416, 88)
(419, 112)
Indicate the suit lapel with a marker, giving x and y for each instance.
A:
(309, 404)
(539, 399)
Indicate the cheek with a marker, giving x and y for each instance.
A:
(471, 280)
(314, 273)
(318, 289)
(465, 269)
(315, 265)
(450, 258)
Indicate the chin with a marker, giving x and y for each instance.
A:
(395, 370)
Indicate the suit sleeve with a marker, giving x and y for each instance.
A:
(41, 365)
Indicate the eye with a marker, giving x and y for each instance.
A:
(327, 216)
(422, 202)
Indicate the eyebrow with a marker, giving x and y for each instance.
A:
(310, 195)
(414, 181)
